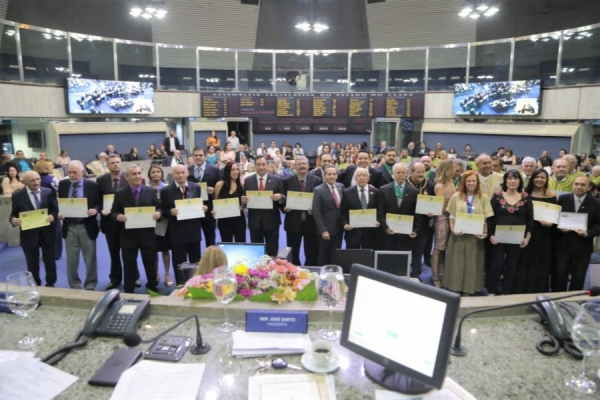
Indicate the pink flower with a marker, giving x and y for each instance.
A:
(281, 269)
(502, 201)
(292, 269)
(246, 293)
(499, 192)
(520, 204)
(524, 194)
(511, 210)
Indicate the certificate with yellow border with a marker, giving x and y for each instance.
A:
(429, 204)
(226, 208)
(204, 191)
(34, 219)
(189, 209)
(509, 234)
(400, 223)
(260, 199)
(107, 202)
(73, 208)
(547, 212)
(140, 217)
(471, 224)
(299, 201)
(363, 218)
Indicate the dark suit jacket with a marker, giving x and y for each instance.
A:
(21, 202)
(430, 190)
(418, 153)
(293, 219)
(388, 203)
(169, 159)
(212, 175)
(572, 241)
(167, 144)
(187, 230)
(265, 219)
(134, 238)
(238, 155)
(325, 212)
(318, 172)
(92, 194)
(385, 176)
(105, 187)
(351, 201)
(374, 178)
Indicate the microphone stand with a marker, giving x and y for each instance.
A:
(460, 351)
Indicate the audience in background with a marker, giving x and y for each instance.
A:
(213, 140)
(63, 160)
(11, 181)
(99, 166)
(153, 152)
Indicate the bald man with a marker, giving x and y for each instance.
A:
(491, 182)
(560, 181)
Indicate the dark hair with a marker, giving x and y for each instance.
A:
(451, 150)
(362, 151)
(512, 173)
(545, 162)
(162, 173)
(388, 150)
(510, 151)
(500, 148)
(468, 145)
(131, 150)
(227, 176)
(259, 157)
(198, 148)
(537, 172)
(592, 156)
(8, 173)
(297, 145)
(63, 151)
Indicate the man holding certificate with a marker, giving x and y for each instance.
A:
(327, 199)
(202, 172)
(33, 210)
(80, 229)
(183, 233)
(575, 241)
(134, 210)
(359, 212)
(395, 211)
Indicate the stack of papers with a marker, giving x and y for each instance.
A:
(257, 344)
(449, 391)
(291, 387)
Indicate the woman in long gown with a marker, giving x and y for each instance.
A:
(230, 187)
(444, 186)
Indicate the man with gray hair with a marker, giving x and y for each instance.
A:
(460, 166)
(99, 167)
(80, 232)
(491, 181)
(572, 166)
(527, 168)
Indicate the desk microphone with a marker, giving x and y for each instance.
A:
(458, 350)
(132, 339)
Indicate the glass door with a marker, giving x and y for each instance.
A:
(385, 129)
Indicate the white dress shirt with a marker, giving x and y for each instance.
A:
(38, 194)
(358, 189)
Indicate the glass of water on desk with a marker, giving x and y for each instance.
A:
(331, 289)
(23, 298)
(585, 333)
(225, 288)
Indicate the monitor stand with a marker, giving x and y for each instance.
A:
(394, 380)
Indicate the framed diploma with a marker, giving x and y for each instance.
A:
(429, 204)
(260, 200)
(140, 217)
(509, 234)
(400, 223)
(73, 208)
(189, 209)
(203, 191)
(546, 212)
(573, 221)
(107, 202)
(469, 223)
(226, 208)
(299, 201)
(34, 219)
(363, 218)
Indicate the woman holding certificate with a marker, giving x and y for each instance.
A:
(231, 188)
(444, 187)
(468, 210)
(510, 231)
(536, 258)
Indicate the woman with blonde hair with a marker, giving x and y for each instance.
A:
(213, 257)
(444, 187)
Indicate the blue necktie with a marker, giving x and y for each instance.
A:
(36, 199)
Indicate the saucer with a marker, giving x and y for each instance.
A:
(308, 362)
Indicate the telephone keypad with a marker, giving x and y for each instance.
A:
(120, 322)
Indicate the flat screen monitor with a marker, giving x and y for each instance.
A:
(403, 329)
(98, 96)
(517, 98)
(393, 262)
(346, 257)
(247, 253)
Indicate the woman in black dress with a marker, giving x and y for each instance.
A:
(536, 258)
(163, 245)
(230, 187)
(512, 207)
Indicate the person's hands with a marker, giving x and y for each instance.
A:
(524, 243)
(325, 235)
(60, 216)
(50, 218)
(16, 221)
(480, 237)
(388, 231)
(347, 227)
(546, 224)
(92, 212)
(276, 197)
(413, 235)
(493, 239)
(121, 218)
(156, 216)
(244, 199)
(174, 211)
(104, 213)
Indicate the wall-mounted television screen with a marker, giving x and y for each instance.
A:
(97, 96)
(498, 98)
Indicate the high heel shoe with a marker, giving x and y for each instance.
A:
(168, 281)
(437, 283)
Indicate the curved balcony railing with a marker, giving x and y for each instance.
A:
(30, 54)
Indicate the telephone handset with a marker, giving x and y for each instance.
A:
(113, 316)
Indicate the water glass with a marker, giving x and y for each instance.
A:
(585, 333)
(23, 298)
(331, 289)
(225, 289)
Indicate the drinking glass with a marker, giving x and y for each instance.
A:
(225, 288)
(23, 298)
(585, 333)
(331, 288)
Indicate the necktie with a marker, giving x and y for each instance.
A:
(302, 187)
(577, 203)
(74, 191)
(335, 196)
(261, 186)
(36, 199)
(115, 184)
(363, 199)
(199, 174)
(183, 191)
(103, 166)
(136, 197)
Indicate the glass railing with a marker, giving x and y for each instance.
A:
(30, 54)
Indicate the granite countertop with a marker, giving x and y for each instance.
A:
(501, 363)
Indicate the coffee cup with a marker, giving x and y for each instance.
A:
(322, 352)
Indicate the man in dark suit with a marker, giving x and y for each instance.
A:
(171, 143)
(574, 248)
(362, 161)
(110, 150)
(361, 196)
(80, 233)
(241, 151)
(387, 168)
(108, 184)
(398, 197)
(325, 160)
(327, 201)
(264, 224)
(175, 159)
(430, 173)
(421, 151)
(184, 235)
(422, 243)
(203, 172)
(132, 240)
(33, 197)
(382, 147)
(300, 224)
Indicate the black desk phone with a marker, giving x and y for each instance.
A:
(113, 316)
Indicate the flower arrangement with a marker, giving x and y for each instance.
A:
(267, 280)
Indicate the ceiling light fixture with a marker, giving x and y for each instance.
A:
(477, 8)
(153, 9)
(306, 26)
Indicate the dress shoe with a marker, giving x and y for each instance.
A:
(113, 286)
(138, 283)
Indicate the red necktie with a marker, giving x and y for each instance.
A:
(261, 187)
(335, 196)
(302, 186)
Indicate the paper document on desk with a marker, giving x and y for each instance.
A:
(24, 377)
(291, 387)
(449, 391)
(256, 344)
(157, 380)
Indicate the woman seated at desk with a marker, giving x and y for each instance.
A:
(11, 182)
(213, 257)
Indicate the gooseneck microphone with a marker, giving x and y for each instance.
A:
(460, 351)
(132, 339)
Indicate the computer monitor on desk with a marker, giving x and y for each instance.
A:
(247, 253)
(403, 329)
(346, 257)
(393, 262)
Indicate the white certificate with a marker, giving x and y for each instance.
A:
(260, 200)
(429, 204)
(573, 221)
(189, 209)
(203, 191)
(547, 212)
(107, 202)
(400, 223)
(469, 223)
(73, 208)
(299, 201)
(558, 193)
(363, 218)
(140, 217)
(226, 208)
(509, 234)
